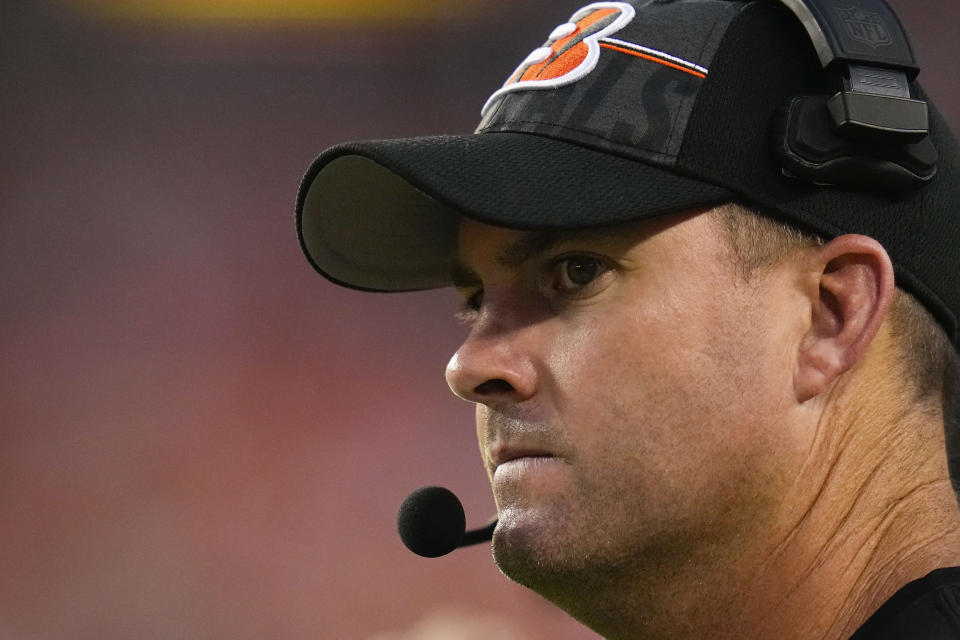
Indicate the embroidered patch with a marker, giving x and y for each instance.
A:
(572, 50)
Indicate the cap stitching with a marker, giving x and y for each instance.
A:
(653, 55)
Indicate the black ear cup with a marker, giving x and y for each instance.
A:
(811, 148)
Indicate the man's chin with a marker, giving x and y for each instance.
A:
(528, 546)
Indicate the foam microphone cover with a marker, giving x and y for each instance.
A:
(431, 522)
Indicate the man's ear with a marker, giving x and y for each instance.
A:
(847, 308)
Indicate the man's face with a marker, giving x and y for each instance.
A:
(627, 384)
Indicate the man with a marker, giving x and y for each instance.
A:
(710, 389)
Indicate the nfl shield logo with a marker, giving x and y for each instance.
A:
(866, 27)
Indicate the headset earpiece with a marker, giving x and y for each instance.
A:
(811, 148)
(872, 133)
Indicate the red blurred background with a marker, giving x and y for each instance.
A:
(201, 438)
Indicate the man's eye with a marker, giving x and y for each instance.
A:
(574, 275)
(474, 301)
(470, 307)
(581, 271)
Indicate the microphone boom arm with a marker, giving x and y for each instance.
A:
(476, 536)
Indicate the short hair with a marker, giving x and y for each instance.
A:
(927, 359)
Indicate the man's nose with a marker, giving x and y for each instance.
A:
(493, 367)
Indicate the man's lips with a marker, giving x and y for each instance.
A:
(502, 453)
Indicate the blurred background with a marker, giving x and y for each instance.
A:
(199, 436)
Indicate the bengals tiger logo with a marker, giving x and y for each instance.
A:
(571, 51)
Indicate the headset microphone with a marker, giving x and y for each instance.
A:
(431, 523)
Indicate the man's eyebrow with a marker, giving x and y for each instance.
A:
(462, 276)
(531, 245)
(514, 254)
(527, 247)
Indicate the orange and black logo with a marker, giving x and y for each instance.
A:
(573, 49)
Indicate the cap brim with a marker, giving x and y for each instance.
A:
(383, 215)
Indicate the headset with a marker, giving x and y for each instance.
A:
(873, 133)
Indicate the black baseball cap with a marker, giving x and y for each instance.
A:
(630, 110)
